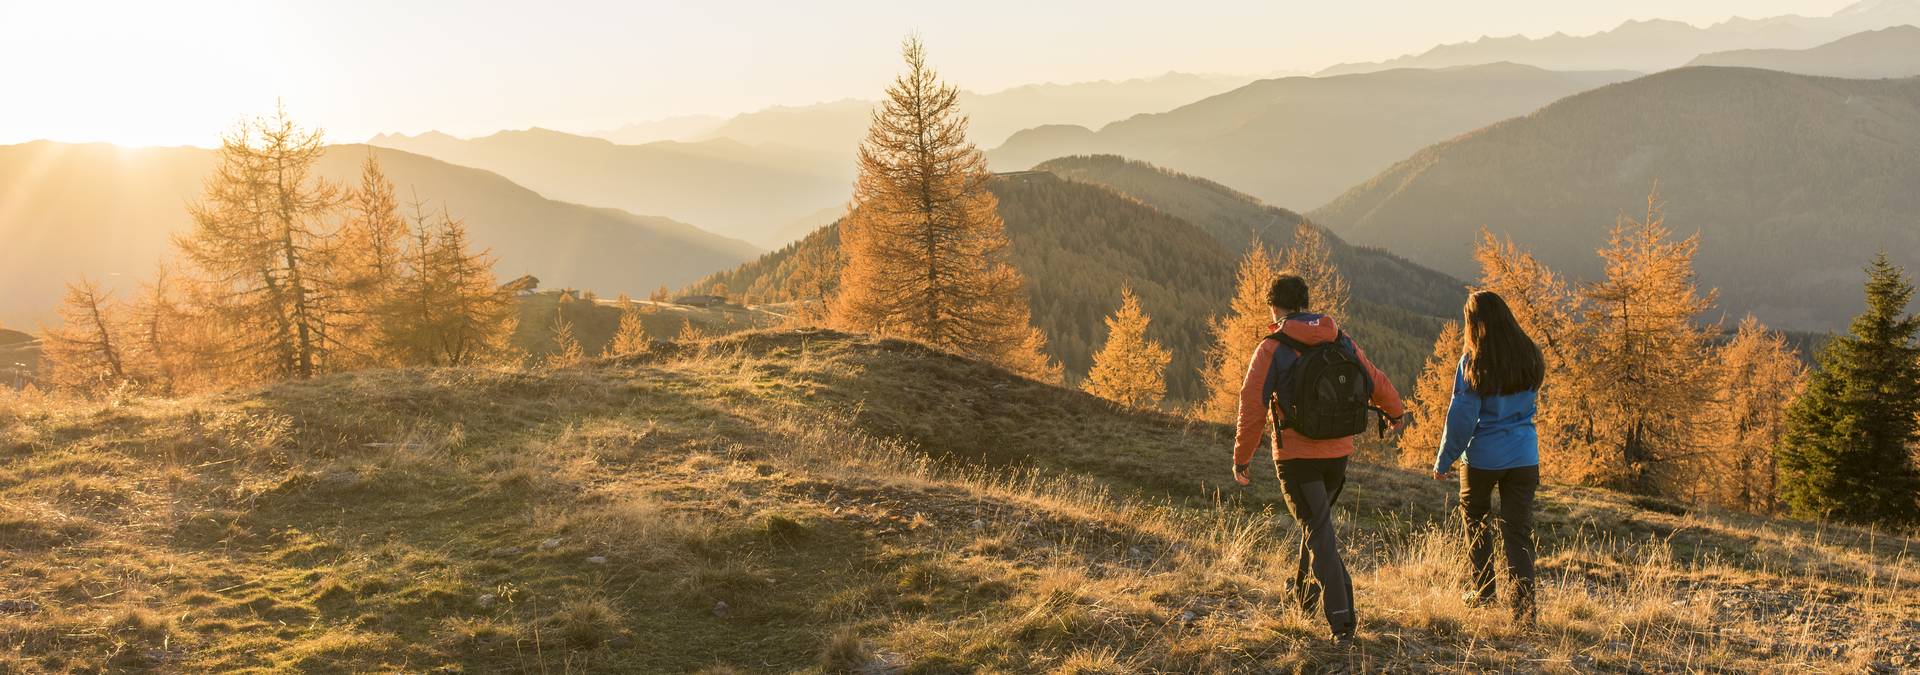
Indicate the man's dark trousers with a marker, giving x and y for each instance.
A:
(1311, 487)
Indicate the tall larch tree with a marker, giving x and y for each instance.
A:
(1760, 376)
(169, 342)
(1640, 368)
(369, 259)
(88, 353)
(260, 239)
(1432, 394)
(1235, 334)
(926, 251)
(1311, 257)
(1129, 369)
(478, 317)
(1848, 450)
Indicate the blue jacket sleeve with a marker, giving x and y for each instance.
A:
(1463, 414)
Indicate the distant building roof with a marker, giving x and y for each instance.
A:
(700, 300)
(1022, 174)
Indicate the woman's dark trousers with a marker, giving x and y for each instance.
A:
(1516, 488)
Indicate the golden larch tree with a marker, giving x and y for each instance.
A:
(1247, 321)
(631, 336)
(1129, 369)
(171, 344)
(259, 237)
(1432, 395)
(1311, 257)
(566, 348)
(1640, 367)
(1759, 378)
(926, 251)
(88, 352)
(477, 319)
(368, 259)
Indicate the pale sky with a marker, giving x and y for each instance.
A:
(166, 72)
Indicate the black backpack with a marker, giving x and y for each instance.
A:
(1323, 393)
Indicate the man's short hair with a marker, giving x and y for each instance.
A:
(1289, 291)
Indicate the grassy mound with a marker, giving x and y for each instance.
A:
(810, 501)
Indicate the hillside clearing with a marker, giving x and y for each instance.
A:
(786, 501)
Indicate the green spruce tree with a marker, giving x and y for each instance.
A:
(1847, 451)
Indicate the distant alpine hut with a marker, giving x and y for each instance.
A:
(525, 285)
(701, 300)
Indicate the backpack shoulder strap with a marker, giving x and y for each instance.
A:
(1289, 342)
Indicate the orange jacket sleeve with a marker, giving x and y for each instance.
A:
(1253, 410)
(1385, 397)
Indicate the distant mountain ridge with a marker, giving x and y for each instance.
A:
(735, 189)
(1653, 45)
(1792, 181)
(1302, 140)
(1886, 53)
(836, 126)
(108, 213)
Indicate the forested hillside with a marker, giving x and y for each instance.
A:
(1792, 181)
(1235, 218)
(1078, 243)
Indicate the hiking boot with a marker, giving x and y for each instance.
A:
(1526, 614)
(1345, 640)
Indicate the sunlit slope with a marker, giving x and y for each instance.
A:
(776, 502)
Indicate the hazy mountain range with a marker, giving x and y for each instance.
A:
(751, 192)
(1656, 44)
(1792, 181)
(109, 213)
(1888, 52)
(1300, 141)
(836, 126)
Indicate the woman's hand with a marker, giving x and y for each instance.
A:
(1445, 475)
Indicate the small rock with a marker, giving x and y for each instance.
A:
(720, 608)
(506, 551)
(977, 524)
(1188, 617)
(549, 544)
(597, 560)
(488, 600)
(18, 607)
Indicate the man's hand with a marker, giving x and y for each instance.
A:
(1243, 473)
(1399, 423)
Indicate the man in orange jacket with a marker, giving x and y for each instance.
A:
(1311, 463)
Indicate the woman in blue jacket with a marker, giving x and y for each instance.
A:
(1490, 420)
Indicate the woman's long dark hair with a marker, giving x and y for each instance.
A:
(1501, 359)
